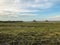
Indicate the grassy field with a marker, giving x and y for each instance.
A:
(29, 33)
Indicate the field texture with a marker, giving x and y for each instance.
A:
(29, 33)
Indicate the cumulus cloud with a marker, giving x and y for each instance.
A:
(16, 7)
(24, 5)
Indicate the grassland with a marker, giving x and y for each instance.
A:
(29, 33)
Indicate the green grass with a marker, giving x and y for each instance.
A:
(31, 32)
(28, 26)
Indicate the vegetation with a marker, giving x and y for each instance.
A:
(29, 33)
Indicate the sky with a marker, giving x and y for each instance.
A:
(28, 10)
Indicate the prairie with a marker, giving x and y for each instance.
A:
(29, 33)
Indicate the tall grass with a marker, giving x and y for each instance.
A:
(29, 33)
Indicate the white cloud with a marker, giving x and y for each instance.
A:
(18, 4)
(12, 9)
(15, 6)
(14, 17)
(43, 6)
(54, 18)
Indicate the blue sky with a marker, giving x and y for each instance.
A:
(28, 10)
